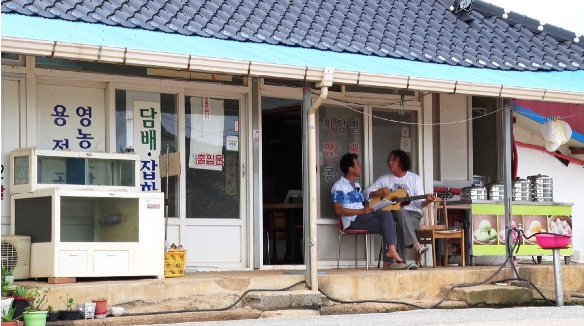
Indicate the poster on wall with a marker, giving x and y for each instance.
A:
(207, 133)
(70, 118)
(146, 143)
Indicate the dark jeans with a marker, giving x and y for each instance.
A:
(380, 222)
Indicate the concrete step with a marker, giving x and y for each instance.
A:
(282, 300)
(492, 295)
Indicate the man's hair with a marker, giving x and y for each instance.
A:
(404, 159)
(347, 161)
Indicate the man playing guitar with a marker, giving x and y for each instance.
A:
(407, 218)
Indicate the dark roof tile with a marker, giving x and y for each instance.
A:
(424, 30)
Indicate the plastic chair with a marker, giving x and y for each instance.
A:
(431, 229)
(356, 232)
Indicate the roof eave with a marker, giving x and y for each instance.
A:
(127, 56)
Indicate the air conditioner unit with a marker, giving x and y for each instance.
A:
(16, 255)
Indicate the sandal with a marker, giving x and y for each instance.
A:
(395, 266)
(422, 250)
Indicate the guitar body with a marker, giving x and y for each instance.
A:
(399, 198)
(394, 196)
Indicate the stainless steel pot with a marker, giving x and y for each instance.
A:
(495, 191)
(541, 187)
(521, 189)
(473, 193)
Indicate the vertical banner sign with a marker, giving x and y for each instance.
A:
(147, 142)
(207, 133)
(70, 118)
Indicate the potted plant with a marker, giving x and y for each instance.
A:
(71, 312)
(53, 314)
(100, 305)
(36, 314)
(8, 317)
(7, 277)
(20, 302)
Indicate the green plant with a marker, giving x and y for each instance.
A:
(69, 303)
(4, 283)
(50, 308)
(20, 292)
(36, 298)
(8, 315)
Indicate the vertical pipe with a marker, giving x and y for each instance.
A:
(312, 277)
(558, 278)
(507, 123)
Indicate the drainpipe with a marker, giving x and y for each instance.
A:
(327, 81)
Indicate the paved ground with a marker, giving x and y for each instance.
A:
(519, 316)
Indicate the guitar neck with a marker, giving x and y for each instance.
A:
(410, 198)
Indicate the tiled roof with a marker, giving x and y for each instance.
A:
(420, 30)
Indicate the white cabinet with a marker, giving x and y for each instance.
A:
(81, 233)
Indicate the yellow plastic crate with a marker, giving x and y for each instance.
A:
(174, 263)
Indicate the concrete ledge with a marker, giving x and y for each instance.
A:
(305, 299)
(493, 295)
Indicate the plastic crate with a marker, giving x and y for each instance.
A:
(174, 263)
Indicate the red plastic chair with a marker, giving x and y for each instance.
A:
(356, 232)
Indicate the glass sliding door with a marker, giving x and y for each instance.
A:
(212, 158)
(216, 224)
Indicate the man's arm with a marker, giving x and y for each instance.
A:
(340, 210)
(375, 190)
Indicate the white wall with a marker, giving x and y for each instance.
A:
(568, 181)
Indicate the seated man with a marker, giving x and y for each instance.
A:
(348, 202)
(408, 218)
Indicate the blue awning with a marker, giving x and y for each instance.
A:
(53, 30)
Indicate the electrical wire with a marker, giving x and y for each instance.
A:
(445, 297)
(213, 309)
(515, 248)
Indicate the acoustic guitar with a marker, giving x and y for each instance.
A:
(399, 198)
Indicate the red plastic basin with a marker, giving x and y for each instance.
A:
(553, 241)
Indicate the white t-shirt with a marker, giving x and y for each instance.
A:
(411, 183)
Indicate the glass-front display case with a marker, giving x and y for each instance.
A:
(79, 233)
(85, 214)
(37, 169)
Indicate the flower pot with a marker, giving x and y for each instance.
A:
(69, 314)
(53, 316)
(100, 306)
(13, 323)
(19, 304)
(6, 304)
(9, 279)
(87, 310)
(35, 318)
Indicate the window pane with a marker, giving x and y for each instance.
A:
(340, 131)
(391, 130)
(212, 152)
(128, 119)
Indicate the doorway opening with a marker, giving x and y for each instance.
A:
(282, 181)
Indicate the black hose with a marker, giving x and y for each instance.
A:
(213, 309)
(516, 246)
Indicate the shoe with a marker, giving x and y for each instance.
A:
(395, 266)
(422, 250)
(412, 267)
